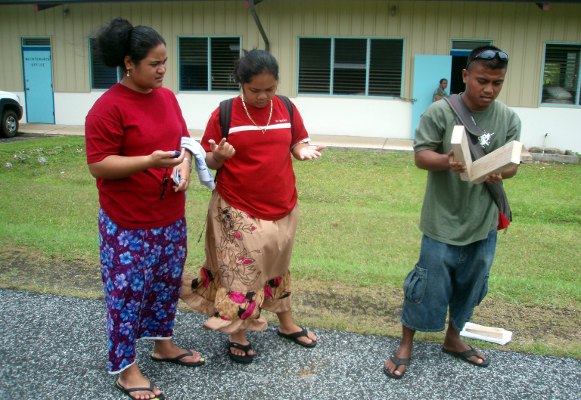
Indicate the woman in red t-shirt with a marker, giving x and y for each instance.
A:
(132, 135)
(253, 213)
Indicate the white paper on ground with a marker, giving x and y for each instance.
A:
(470, 331)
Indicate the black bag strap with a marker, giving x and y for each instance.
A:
(463, 114)
(226, 113)
(289, 107)
(226, 116)
(465, 117)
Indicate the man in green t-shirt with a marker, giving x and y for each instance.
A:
(440, 92)
(458, 219)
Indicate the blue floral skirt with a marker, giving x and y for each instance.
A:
(142, 271)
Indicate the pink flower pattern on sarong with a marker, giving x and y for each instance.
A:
(236, 268)
(231, 248)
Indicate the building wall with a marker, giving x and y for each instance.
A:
(427, 27)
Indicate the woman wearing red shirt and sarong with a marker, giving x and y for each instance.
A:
(253, 213)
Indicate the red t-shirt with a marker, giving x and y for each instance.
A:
(259, 179)
(128, 123)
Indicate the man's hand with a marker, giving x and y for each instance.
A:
(493, 178)
(456, 166)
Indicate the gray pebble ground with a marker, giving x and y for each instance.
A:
(54, 347)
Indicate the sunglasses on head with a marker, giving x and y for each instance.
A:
(489, 55)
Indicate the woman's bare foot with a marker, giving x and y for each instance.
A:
(167, 349)
(288, 327)
(294, 328)
(240, 338)
(133, 378)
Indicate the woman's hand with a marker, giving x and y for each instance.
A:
(118, 167)
(184, 170)
(219, 153)
(166, 159)
(304, 151)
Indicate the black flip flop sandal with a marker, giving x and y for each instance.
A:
(245, 359)
(138, 389)
(178, 360)
(294, 337)
(465, 356)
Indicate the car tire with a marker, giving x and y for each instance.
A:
(9, 126)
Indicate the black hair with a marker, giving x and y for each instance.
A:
(495, 63)
(119, 39)
(255, 62)
(443, 80)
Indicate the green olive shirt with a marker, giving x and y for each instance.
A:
(440, 92)
(454, 211)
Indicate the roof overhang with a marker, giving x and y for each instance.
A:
(59, 2)
(44, 4)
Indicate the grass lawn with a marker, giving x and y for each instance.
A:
(357, 239)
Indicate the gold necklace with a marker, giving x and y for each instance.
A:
(263, 129)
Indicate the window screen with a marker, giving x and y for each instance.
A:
(36, 41)
(344, 66)
(207, 63)
(561, 76)
(102, 76)
(315, 66)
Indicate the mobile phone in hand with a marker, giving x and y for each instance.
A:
(176, 154)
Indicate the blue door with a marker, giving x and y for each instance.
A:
(428, 70)
(38, 91)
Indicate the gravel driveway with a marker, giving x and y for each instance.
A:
(54, 347)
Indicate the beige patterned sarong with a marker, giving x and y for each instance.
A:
(246, 268)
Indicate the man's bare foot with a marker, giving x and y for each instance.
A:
(454, 346)
(470, 355)
(396, 365)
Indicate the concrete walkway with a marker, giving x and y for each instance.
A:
(331, 141)
(374, 143)
(54, 347)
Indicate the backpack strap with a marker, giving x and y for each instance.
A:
(465, 117)
(289, 107)
(226, 116)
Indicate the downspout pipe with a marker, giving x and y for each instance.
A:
(251, 6)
